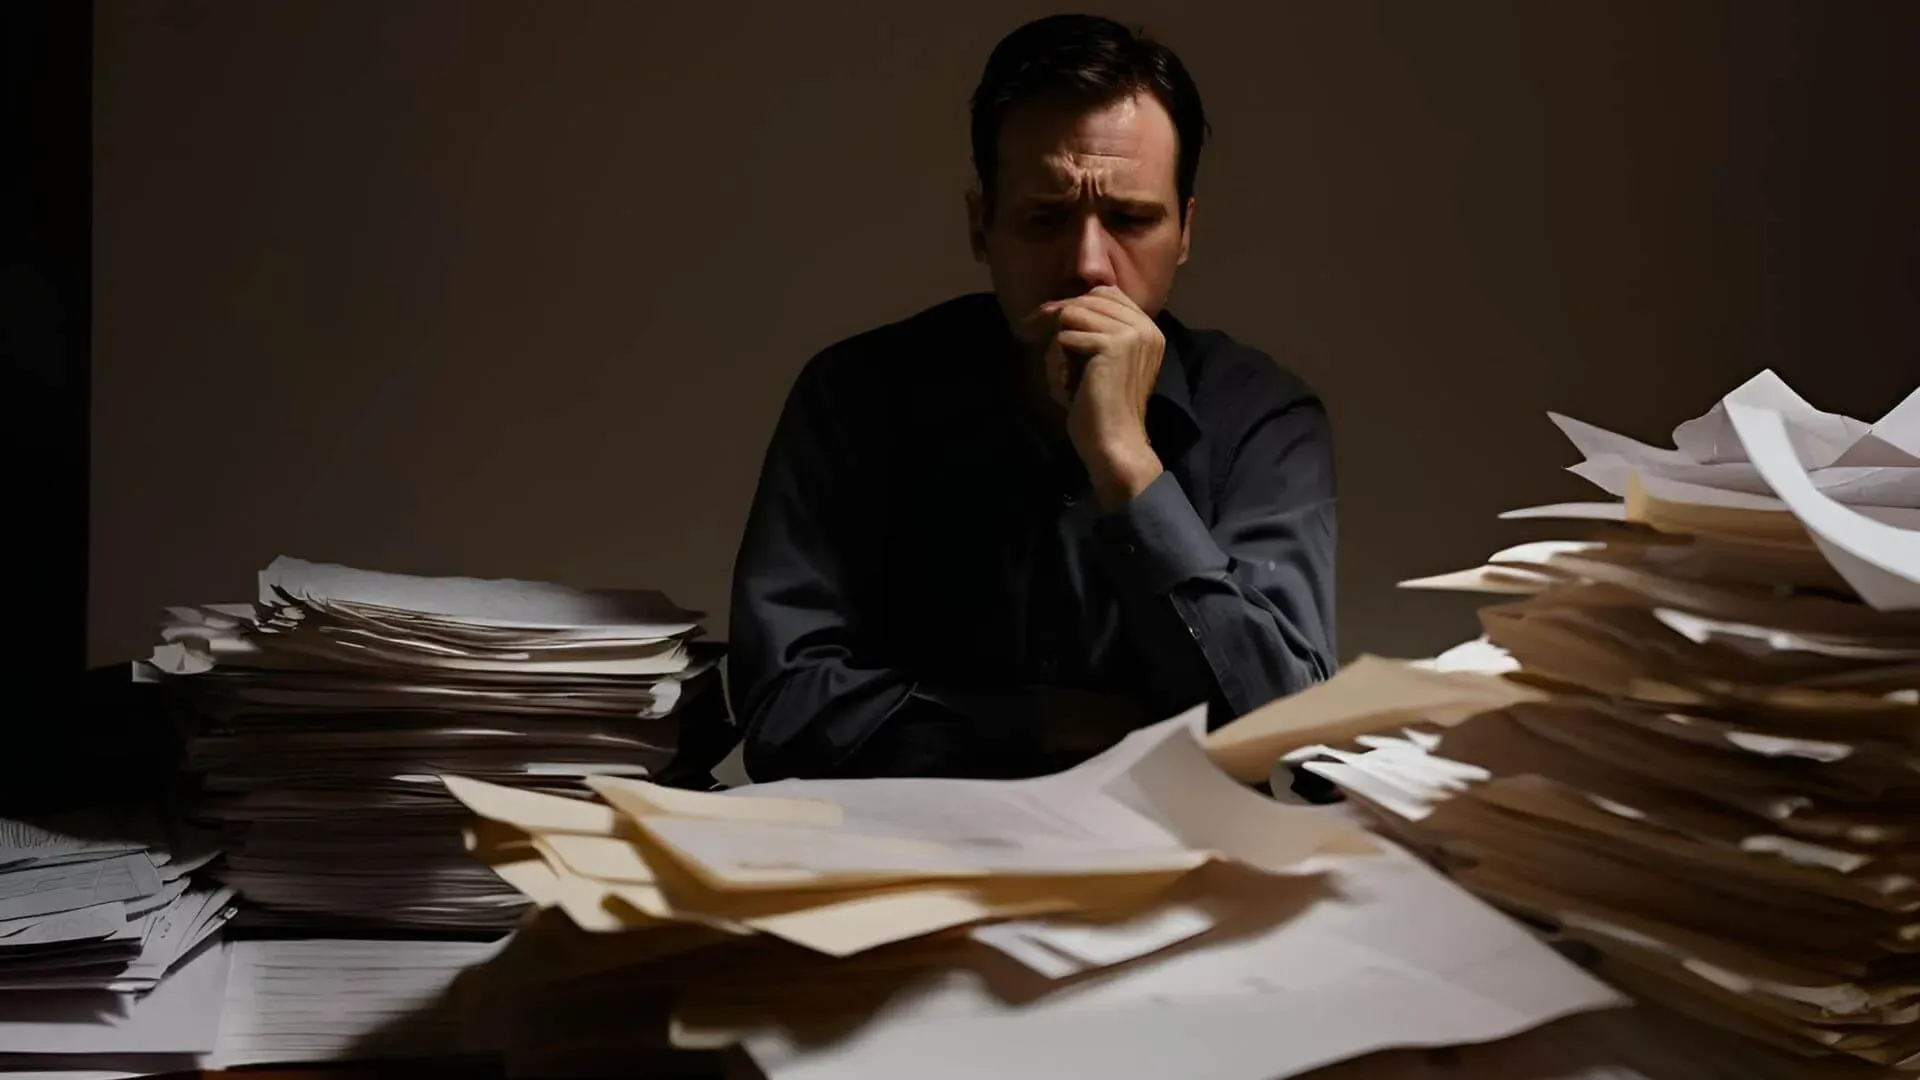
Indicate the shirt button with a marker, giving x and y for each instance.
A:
(1069, 499)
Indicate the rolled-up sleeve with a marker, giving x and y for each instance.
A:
(1238, 612)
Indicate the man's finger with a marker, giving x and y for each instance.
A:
(1086, 316)
(1116, 294)
(1060, 374)
(1084, 342)
(1039, 324)
(1121, 310)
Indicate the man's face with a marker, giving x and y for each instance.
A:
(1086, 197)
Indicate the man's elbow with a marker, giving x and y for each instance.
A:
(767, 742)
(766, 761)
(1292, 666)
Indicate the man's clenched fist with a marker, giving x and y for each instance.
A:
(1102, 356)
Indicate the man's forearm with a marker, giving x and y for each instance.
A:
(944, 731)
(825, 717)
(1237, 634)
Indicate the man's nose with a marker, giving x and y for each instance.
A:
(1093, 255)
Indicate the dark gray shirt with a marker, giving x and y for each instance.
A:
(923, 553)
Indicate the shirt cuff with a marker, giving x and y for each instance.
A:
(1157, 540)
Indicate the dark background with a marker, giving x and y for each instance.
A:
(45, 99)
(514, 288)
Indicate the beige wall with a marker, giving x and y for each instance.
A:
(517, 288)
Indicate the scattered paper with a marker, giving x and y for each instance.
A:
(1343, 978)
(1371, 694)
(1818, 438)
(1880, 561)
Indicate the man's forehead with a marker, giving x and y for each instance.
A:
(1113, 176)
(1128, 146)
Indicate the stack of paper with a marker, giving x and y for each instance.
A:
(95, 1034)
(242, 1003)
(1693, 747)
(102, 900)
(1135, 916)
(343, 999)
(323, 712)
(107, 944)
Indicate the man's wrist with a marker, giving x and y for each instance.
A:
(1121, 470)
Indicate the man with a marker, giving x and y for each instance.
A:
(972, 523)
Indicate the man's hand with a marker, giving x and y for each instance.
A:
(1102, 358)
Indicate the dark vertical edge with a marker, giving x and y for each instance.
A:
(46, 197)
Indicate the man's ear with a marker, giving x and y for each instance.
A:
(1186, 232)
(977, 223)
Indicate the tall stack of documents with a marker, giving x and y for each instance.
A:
(106, 938)
(323, 712)
(1136, 916)
(1691, 747)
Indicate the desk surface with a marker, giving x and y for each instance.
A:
(730, 1066)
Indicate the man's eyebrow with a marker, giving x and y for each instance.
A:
(1135, 203)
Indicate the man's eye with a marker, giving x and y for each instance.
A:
(1047, 219)
(1131, 221)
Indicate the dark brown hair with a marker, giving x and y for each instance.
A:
(1091, 60)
